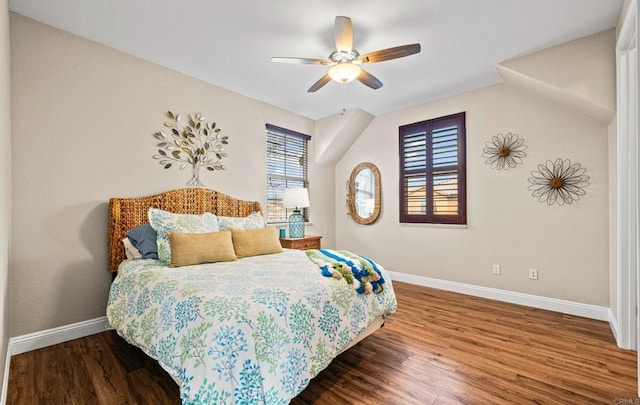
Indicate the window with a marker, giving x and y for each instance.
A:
(433, 172)
(287, 157)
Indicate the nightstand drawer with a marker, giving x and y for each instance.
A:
(306, 242)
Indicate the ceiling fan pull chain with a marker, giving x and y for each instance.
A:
(344, 98)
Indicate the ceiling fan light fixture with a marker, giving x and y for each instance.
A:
(344, 72)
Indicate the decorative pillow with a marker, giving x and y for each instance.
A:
(130, 251)
(254, 242)
(143, 238)
(253, 221)
(197, 248)
(164, 222)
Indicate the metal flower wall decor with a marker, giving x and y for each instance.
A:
(504, 151)
(195, 143)
(558, 182)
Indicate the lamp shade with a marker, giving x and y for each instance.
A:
(344, 72)
(295, 198)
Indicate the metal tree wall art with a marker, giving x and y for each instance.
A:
(558, 182)
(195, 143)
(504, 151)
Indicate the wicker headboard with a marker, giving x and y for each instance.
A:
(127, 213)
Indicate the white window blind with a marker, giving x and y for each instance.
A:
(287, 157)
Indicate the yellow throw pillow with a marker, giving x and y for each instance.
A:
(197, 248)
(254, 242)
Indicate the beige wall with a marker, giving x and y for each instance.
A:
(506, 225)
(5, 178)
(83, 118)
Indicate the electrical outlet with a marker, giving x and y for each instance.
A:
(533, 274)
(496, 269)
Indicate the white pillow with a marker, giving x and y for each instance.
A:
(130, 250)
(163, 222)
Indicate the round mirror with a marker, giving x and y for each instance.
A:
(364, 193)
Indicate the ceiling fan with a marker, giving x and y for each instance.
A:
(345, 61)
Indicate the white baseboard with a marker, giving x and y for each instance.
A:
(49, 337)
(38, 340)
(535, 301)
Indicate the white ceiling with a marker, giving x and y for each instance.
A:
(230, 43)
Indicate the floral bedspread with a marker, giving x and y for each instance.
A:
(248, 332)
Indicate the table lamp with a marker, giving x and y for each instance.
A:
(296, 198)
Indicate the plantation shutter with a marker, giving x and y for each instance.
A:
(413, 189)
(432, 171)
(287, 158)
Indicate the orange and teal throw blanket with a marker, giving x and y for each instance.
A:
(358, 271)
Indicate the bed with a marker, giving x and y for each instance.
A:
(253, 330)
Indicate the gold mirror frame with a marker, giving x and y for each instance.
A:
(351, 194)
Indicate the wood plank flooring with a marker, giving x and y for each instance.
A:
(439, 348)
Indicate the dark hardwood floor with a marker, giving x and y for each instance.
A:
(439, 348)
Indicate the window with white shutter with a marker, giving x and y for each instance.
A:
(287, 157)
(433, 171)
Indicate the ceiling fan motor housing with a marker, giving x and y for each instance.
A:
(344, 56)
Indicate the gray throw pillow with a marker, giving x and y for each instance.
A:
(144, 239)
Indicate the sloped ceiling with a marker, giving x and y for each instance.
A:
(335, 134)
(578, 75)
(229, 43)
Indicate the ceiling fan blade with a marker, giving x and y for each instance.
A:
(302, 61)
(370, 80)
(389, 53)
(319, 84)
(344, 34)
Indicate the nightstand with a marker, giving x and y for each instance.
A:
(306, 242)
